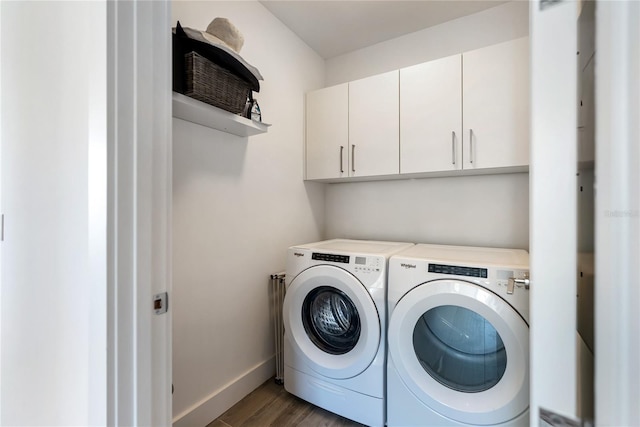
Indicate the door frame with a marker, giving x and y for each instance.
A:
(139, 186)
(553, 208)
(1, 218)
(617, 213)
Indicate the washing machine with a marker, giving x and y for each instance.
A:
(335, 321)
(458, 337)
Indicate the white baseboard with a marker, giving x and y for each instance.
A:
(226, 396)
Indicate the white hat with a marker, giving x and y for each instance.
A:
(222, 31)
(229, 56)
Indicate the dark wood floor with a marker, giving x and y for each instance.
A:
(271, 405)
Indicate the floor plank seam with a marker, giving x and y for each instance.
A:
(271, 405)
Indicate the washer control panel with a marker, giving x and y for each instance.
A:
(330, 257)
(360, 263)
(365, 264)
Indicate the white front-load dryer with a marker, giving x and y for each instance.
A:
(334, 318)
(458, 337)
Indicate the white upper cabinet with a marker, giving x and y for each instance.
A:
(431, 116)
(327, 133)
(464, 112)
(495, 83)
(374, 125)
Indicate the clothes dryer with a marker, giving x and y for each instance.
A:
(458, 337)
(335, 322)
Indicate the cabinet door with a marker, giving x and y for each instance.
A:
(431, 116)
(495, 99)
(374, 125)
(327, 132)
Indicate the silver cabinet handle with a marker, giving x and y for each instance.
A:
(341, 166)
(470, 145)
(453, 148)
(353, 158)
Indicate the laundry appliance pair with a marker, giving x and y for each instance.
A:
(456, 350)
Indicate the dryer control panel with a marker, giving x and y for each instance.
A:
(457, 270)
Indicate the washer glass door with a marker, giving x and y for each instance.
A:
(462, 350)
(331, 322)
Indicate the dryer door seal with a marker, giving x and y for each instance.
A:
(325, 300)
(462, 350)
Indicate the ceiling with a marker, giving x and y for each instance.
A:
(335, 27)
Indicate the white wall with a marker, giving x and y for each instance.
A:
(53, 130)
(469, 210)
(237, 205)
(487, 210)
(500, 23)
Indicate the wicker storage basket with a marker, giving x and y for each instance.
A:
(210, 83)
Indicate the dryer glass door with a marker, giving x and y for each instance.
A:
(459, 348)
(462, 350)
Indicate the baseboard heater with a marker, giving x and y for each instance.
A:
(277, 288)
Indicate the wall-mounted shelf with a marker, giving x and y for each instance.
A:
(194, 111)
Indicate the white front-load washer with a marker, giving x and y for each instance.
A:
(334, 318)
(458, 337)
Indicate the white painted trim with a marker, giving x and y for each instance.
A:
(214, 405)
(553, 208)
(1, 213)
(139, 211)
(160, 209)
(97, 212)
(617, 213)
(120, 397)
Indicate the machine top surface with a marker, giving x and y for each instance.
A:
(467, 255)
(368, 247)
